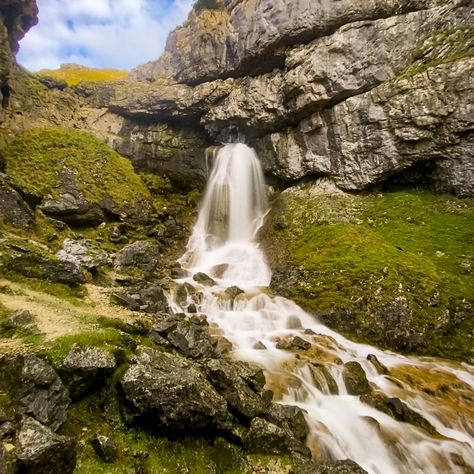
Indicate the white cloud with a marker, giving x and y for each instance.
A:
(100, 33)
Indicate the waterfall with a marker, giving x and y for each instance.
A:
(223, 245)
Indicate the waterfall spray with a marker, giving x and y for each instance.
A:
(223, 245)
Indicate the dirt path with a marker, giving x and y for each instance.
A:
(56, 317)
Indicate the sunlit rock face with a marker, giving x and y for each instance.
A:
(358, 91)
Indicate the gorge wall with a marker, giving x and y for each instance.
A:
(355, 91)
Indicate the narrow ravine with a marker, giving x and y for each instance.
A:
(415, 415)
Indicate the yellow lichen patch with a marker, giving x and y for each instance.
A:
(440, 392)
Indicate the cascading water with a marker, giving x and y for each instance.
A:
(223, 246)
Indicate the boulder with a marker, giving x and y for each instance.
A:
(22, 319)
(40, 450)
(141, 255)
(227, 378)
(291, 418)
(105, 448)
(13, 209)
(41, 393)
(83, 254)
(143, 297)
(203, 279)
(355, 379)
(264, 437)
(37, 262)
(86, 369)
(168, 392)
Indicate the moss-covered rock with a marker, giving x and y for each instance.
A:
(75, 177)
(392, 269)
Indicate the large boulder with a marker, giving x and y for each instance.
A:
(168, 392)
(141, 255)
(229, 379)
(41, 450)
(35, 389)
(86, 369)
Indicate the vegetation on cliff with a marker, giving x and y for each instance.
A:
(393, 269)
(74, 75)
(42, 164)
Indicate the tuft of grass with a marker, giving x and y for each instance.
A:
(110, 339)
(73, 76)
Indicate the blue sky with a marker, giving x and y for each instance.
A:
(100, 33)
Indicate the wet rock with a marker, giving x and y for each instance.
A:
(83, 254)
(22, 319)
(290, 418)
(379, 367)
(85, 369)
(40, 450)
(187, 294)
(355, 379)
(105, 448)
(140, 254)
(323, 379)
(203, 279)
(192, 309)
(233, 292)
(178, 273)
(338, 467)
(398, 410)
(293, 343)
(218, 270)
(191, 337)
(259, 346)
(13, 210)
(225, 376)
(266, 438)
(166, 391)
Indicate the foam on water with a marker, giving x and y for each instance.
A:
(223, 245)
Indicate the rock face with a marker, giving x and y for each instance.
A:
(324, 89)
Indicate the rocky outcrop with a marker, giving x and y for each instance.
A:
(249, 36)
(350, 101)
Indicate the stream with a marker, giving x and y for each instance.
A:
(306, 362)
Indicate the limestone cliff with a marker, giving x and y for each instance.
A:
(356, 91)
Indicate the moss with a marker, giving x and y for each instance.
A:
(354, 255)
(73, 76)
(442, 47)
(35, 159)
(109, 339)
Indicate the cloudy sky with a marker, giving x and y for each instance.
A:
(100, 33)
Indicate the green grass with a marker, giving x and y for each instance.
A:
(110, 339)
(35, 159)
(355, 254)
(73, 76)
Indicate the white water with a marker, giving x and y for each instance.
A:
(223, 246)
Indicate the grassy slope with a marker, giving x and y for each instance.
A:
(355, 254)
(34, 160)
(74, 76)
